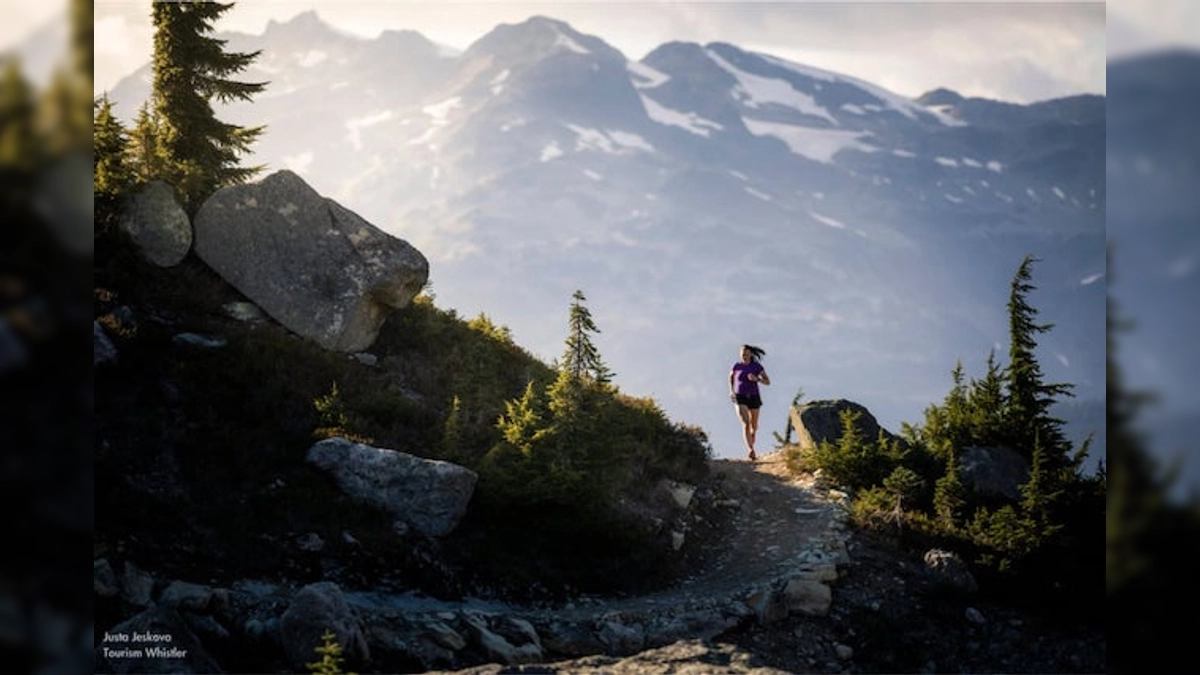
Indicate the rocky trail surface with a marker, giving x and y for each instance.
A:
(759, 528)
(775, 581)
(886, 612)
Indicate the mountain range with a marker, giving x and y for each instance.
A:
(703, 197)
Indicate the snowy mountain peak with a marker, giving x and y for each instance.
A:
(544, 158)
(304, 26)
(536, 38)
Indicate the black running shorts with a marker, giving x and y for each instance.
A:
(753, 401)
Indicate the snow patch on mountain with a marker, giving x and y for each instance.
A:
(562, 40)
(612, 142)
(895, 102)
(817, 144)
(497, 82)
(756, 90)
(689, 121)
(649, 77)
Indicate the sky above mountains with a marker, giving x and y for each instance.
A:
(1019, 52)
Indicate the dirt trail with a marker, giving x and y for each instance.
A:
(776, 522)
(766, 525)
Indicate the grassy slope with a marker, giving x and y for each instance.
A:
(200, 452)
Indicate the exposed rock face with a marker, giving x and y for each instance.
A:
(994, 472)
(157, 224)
(819, 421)
(430, 496)
(312, 265)
(315, 609)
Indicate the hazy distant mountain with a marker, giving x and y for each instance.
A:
(703, 197)
(42, 51)
(1153, 168)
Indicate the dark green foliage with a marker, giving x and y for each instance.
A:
(475, 362)
(570, 453)
(110, 142)
(19, 147)
(914, 487)
(146, 156)
(906, 485)
(986, 406)
(64, 123)
(950, 497)
(1027, 420)
(192, 69)
(855, 461)
(111, 175)
(581, 442)
(581, 358)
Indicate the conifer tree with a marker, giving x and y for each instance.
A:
(83, 43)
(1038, 497)
(19, 148)
(110, 143)
(191, 69)
(987, 403)
(62, 112)
(146, 159)
(957, 413)
(521, 425)
(581, 358)
(1028, 419)
(111, 175)
(950, 496)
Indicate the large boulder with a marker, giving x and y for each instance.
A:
(819, 421)
(157, 224)
(317, 608)
(428, 495)
(312, 265)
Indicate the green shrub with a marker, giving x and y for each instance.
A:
(853, 462)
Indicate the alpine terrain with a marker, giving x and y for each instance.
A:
(703, 197)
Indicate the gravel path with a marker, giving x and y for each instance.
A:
(763, 526)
